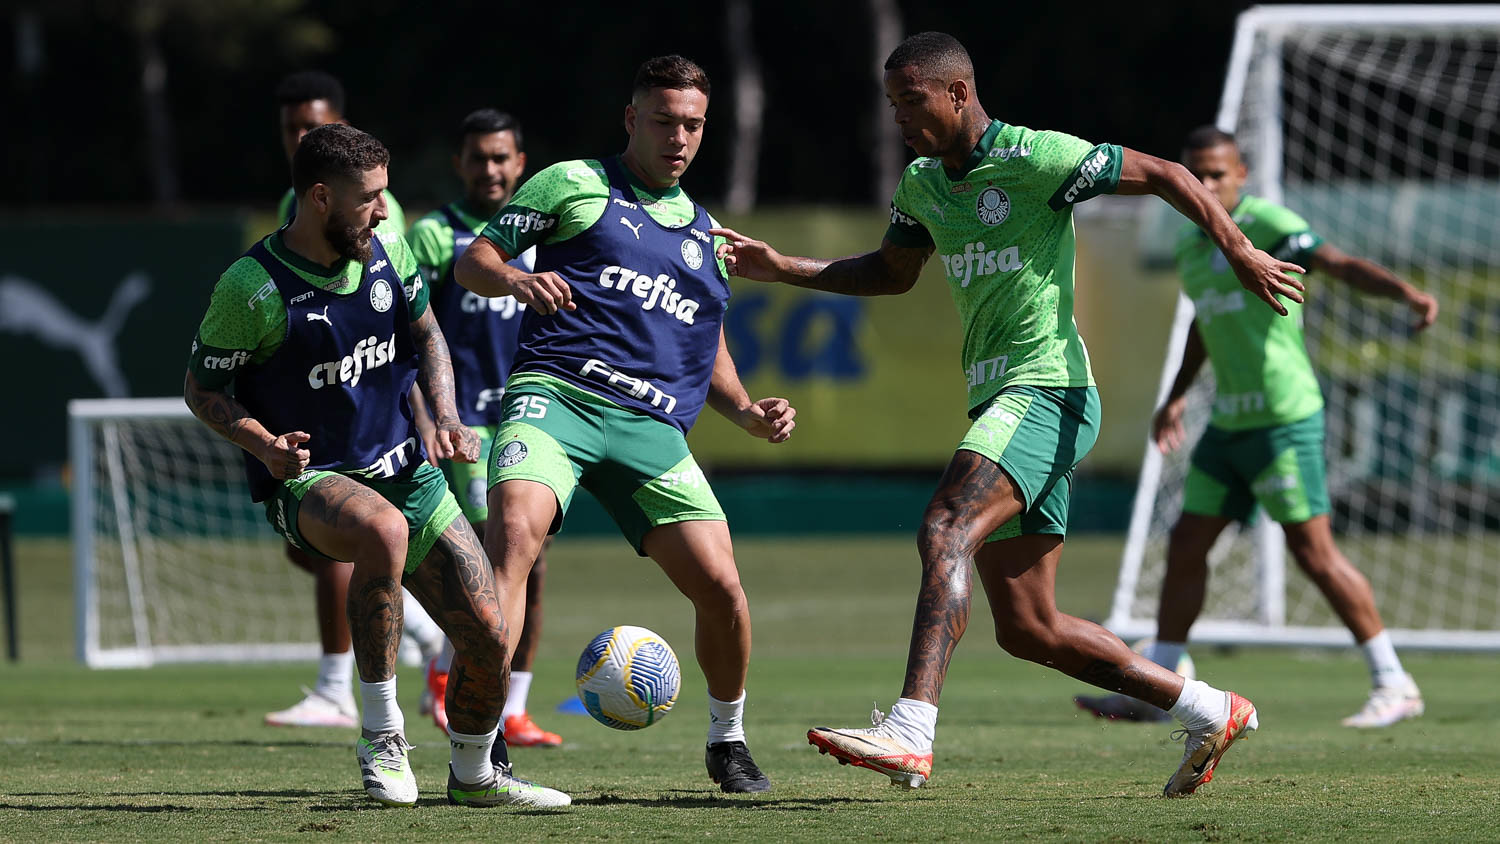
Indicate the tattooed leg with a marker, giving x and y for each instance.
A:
(1019, 577)
(456, 586)
(973, 499)
(347, 520)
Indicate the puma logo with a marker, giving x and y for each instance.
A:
(28, 308)
(635, 229)
(311, 317)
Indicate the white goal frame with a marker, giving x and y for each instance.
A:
(1270, 626)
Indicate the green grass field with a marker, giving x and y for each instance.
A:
(179, 753)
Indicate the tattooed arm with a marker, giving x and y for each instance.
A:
(435, 376)
(283, 455)
(889, 270)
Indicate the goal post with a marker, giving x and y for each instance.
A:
(1380, 125)
(172, 562)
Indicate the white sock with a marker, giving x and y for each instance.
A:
(1385, 666)
(515, 699)
(1200, 706)
(914, 722)
(445, 657)
(381, 712)
(1166, 654)
(336, 676)
(471, 755)
(417, 624)
(726, 719)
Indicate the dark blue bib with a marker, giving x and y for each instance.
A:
(341, 374)
(481, 334)
(650, 303)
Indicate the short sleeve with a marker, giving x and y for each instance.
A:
(1073, 169)
(905, 230)
(532, 214)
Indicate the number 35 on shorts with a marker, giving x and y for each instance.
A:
(528, 407)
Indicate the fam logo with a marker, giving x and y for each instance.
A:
(692, 253)
(380, 295)
(992, 206)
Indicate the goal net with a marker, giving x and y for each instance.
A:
(172, 561)
(1381, 126)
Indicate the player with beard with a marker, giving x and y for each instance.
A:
(481, 335)
(321, 330)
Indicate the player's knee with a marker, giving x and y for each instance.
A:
(942, 534)
(384, 537)
(1025, 636)
(722, 596)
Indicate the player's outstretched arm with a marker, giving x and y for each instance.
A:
(283, 455)
(889, 270)
(454, 439)
(483, 269)
(1257, 271)
(770, 419)
(1369, 277)
(1166, 426)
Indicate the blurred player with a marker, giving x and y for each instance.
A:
(305, 101)
(622, 343)
(995, 201)
(1265, 441)
(481, 336)
(321, 330)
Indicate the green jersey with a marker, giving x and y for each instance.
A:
(1261, 369)
(431, 242)
(1003, 228)
(395, 219)
(567, 198)
(246, 318)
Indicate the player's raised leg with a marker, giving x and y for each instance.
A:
(457, 583)
(698, 557)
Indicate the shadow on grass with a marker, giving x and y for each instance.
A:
(684, 799)
(146, 742)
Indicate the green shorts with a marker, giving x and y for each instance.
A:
(423, 499)
(1037, 435)
(638, 468)
(467, 480)
(1280, 466)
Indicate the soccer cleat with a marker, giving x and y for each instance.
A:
(1387, 705)
(435, 696)
(521, 731)
(503, 789)
(1118, 707)
(729, 765)
(385, 768)
(315, 710)
(876, 748)
(1206, 747)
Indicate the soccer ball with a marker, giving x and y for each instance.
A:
(1184, 667)
(628, 678)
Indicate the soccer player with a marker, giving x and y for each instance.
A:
(622, 343)
(481, 336)
(321, 330)
(306, 100)
(1265, 441)
(995, 202)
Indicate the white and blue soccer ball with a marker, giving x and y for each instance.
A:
(628, 678)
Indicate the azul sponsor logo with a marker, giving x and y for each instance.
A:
(654, 292)
(1088, 175)
(1007, 153)
(985, 371)
(226, 362)
(369, 353)
(528, 222)
(976, 260)
(1230, 404)
(992, 206)
(901, 218)
(380, 295)
(692, 253)
(505, 306)
(1213, 303)
(636, 388)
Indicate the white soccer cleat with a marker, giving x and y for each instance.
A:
(876, 748)
(1206, 747)
(1387, 705)
(315, 710)
(385, 768)
(503, 789)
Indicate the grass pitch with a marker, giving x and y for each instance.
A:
(179, 753)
